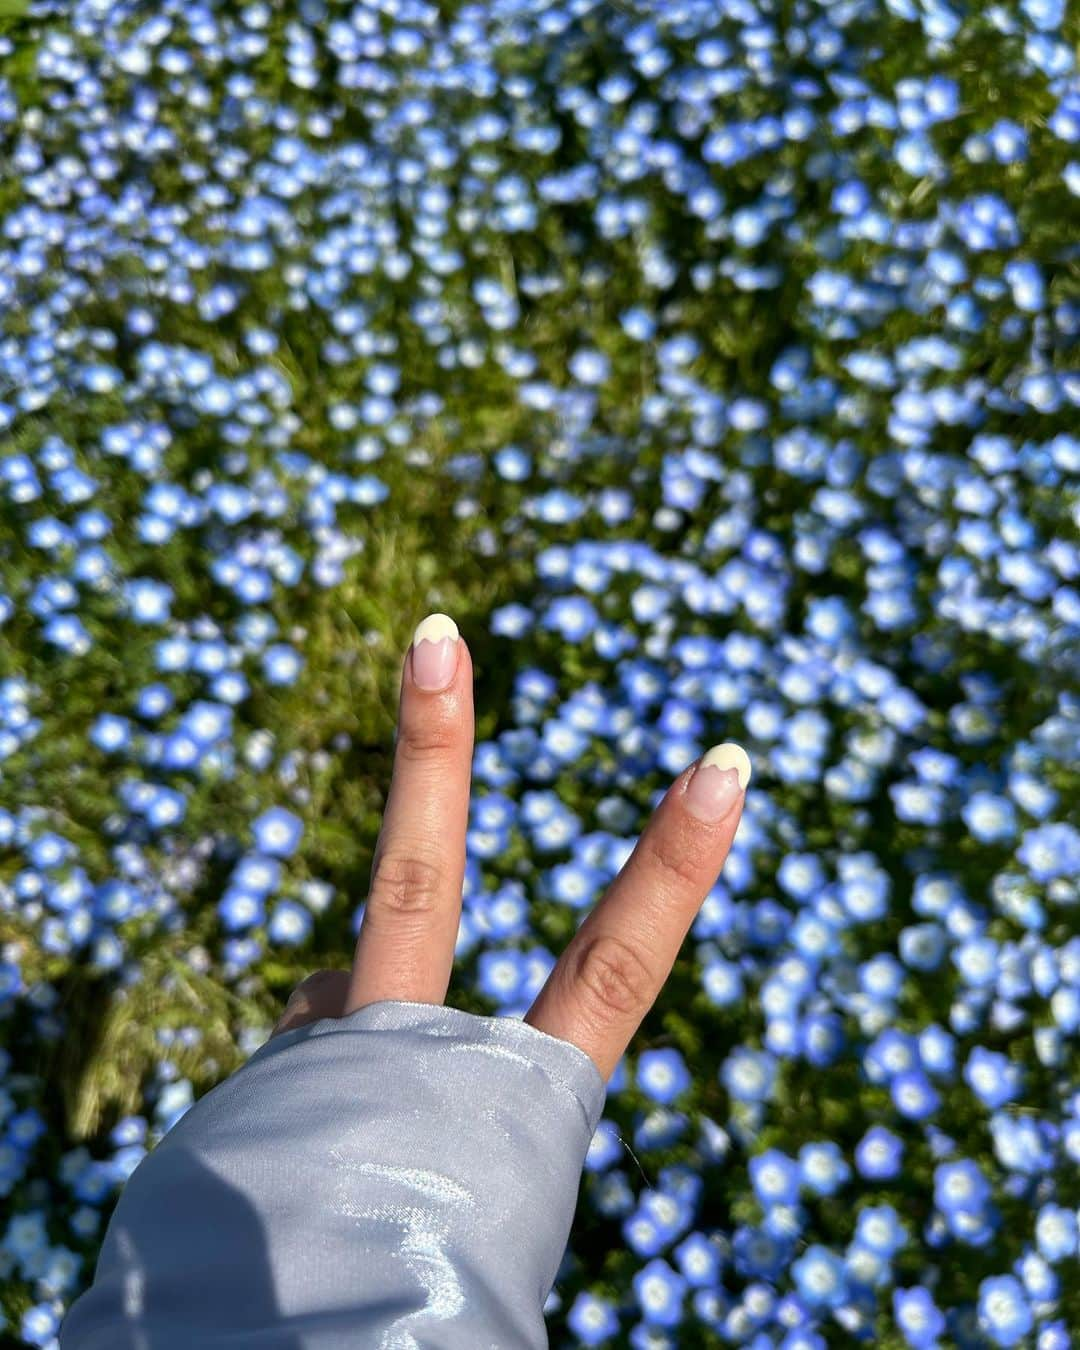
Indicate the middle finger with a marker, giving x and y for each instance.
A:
(616, 963)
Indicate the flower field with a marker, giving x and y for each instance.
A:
(714, 363)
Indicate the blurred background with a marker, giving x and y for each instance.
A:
(714, 364)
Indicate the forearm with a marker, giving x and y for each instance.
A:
(403, 1176)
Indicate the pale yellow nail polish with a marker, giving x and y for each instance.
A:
(435, 627)
(729, 756)
(434, 652)
(718, 782)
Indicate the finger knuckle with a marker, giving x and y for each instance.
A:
(405, 884)
(427, 739)
(670, 856)
(613, 978)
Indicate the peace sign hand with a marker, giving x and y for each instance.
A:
(614, 967)
(399, 1173)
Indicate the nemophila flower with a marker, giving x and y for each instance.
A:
(1021, 1145)
(890, 1054)
(657, 1221)
(661, 1128)
(277, 832)
(960, 1186)
(989, 818)
(993, 1078)
(1053, 1336)
(154, 701)
(749, 1075)
(699, 1260)
(923, 946)
(1050, 851)
(604, 1147)
(256, 873)
(165, 807)
(281, 664)
(937, 1050)
(820, 1277)
(148, 601)
(239, 909)
(1005, 1315)
(775, 1178)
(592, 1319)
(662, 1074)
(880, 1228)
(1040, 1281)
(919, 1319)
(111, 733)
(879, 1154)
(290, 923)
(500, 975)
(976, 961)
(1056, 1232)
(722, 983)
(659, 1291)
(823, 1169)
(801, 875)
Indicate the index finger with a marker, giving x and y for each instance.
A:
(615, 965)
(405, 946)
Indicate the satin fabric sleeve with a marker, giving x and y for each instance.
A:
(402, 1177)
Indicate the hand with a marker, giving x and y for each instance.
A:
(614, 967)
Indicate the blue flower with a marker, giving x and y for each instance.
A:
(960, 1186)
(820, 1277)
(775, 1178)
(281, 664)
(823, 1168)
(1005, 1315)
(1051, 851)
(699, 1260)
(879, 1227)
(662, 1075)
(592, 1319)
(659, 1291)
(993, 1078)
(290, 923)
(918, 1317)
(500, 975)
(256, 873)
(1056, 1232)
(239, 909)
(277, 832)
(879, 1154)
(148, 601)
(989, 818)
(604, 1147)
(153, 701)
(749, 1075)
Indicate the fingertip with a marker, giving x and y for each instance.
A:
(729, 755)
(435, 627)
(716, 789)
(435, 648)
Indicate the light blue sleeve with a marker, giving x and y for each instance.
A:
(399, 1178)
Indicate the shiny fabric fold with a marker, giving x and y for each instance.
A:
(402, 1177)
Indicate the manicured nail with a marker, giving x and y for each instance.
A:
(718, 782)
(434, 652)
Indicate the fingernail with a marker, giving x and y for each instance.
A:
(434, 652)
(718, 781)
